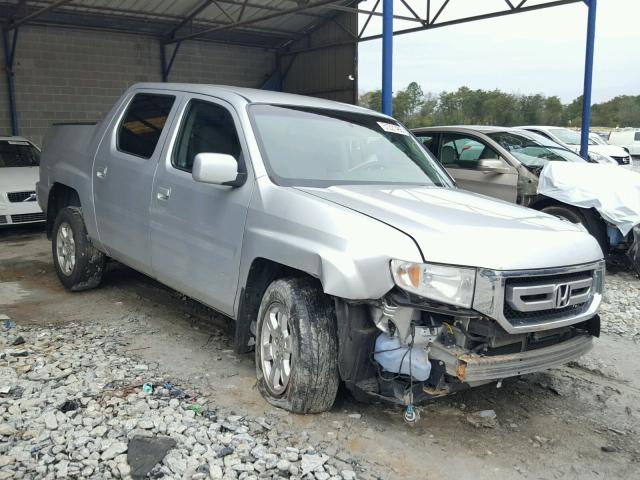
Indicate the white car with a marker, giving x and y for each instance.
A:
(571, 139)
(19, 161)
(629, 139)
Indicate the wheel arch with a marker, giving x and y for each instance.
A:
(60, 196)
(262, 272)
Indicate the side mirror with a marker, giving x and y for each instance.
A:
(218, 169)
(493, 166)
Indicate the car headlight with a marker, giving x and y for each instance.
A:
(599, 158)
(442, 283)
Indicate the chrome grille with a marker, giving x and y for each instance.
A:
(548, 294)
(546, 298)
(27, 217)
(16, 197)
(534, 300)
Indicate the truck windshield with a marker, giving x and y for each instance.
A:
(321, 147)
(18, 153)
(533, 150)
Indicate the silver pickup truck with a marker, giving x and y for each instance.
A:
(338, 245)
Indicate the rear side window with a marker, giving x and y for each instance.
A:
(636, 136)
(143, 123)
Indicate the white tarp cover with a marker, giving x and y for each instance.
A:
(613, 191)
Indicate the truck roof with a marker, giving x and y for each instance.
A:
(254, 95)
(4, 138)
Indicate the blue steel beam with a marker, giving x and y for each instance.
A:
(9, 55)
(387, 57)
(588, 79)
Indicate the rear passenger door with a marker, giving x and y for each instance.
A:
(197, 228)
(123, 173)
(467, 158)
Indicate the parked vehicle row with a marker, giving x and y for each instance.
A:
(598, 152)
(341, 248)
(19, 160)
(507, 163)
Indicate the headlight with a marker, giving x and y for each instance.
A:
(599, 158)
(442, 283)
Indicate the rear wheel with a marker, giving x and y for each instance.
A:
(296, 347)
(78, 263)
(594, 225)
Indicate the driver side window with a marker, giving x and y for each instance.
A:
(461, 151)
(206, 127)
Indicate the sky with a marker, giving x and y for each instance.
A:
(533, 52)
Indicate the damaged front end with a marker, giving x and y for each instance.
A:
(406, 348)
(624, 250)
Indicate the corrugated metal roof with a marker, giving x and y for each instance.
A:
(162, 17)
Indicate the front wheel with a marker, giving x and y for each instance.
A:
(296, 346)
(78, 263)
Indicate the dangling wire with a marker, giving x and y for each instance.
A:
(411, 415)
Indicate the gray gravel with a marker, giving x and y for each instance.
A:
(81, 369)
(620, 311)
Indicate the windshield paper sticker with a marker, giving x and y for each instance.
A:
(393, 128)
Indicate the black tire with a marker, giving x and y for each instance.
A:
(586, 218)
(89, 264)
(313, 381)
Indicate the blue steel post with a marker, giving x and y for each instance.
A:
(588, 79)
(387, 57)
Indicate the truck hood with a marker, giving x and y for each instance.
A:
(17, 179)
(462, 228)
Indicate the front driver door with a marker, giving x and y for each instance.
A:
(462, 156)
(197, 228)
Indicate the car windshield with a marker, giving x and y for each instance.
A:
(533, 150)
(321, 147)
(18, 153)
(568, 136)
(595, 138)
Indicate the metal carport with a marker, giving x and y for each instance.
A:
(314, 42)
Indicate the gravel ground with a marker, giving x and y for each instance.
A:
(620, 311)
(72, 405)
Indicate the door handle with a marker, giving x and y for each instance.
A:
(101, 172)
(163, 193)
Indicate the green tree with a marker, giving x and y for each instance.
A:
(495, 107)
(553, 112)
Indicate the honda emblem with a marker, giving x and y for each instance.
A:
(562, 295)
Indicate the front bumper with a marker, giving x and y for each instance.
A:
(475, 369)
